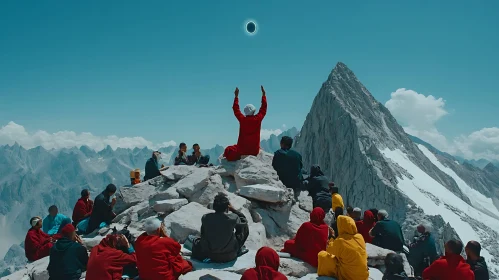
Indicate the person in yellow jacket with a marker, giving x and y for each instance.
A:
(345, 257)
(336, 197)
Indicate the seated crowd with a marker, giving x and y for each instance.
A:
(338, 250)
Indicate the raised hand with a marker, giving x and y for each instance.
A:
(236, 92)
(263, 90)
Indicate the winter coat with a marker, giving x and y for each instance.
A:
(82, 210)
(479, 268)
(318, 187)
(68, 260)
(151, 169)
(267, 265)
(106, 263)
(388, 234)
(102, 212)
(193, 159)
(395, 276)
(218, 240)
(364, 226)
(181, 159)
(346, 256)
(310, 239)
(158, 258)
(337, 201)
(422, 252)
(449, 267)
(248, 142)
(51, 224)
(288, 164)
(36, 244)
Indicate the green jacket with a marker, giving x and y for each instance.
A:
(288, 164)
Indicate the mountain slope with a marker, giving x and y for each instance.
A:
(359, 144)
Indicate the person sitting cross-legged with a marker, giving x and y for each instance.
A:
(53, 221)
(83, 208)
(197, 158)
(37, 243)
(267, 266)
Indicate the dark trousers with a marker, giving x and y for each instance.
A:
(324, 204)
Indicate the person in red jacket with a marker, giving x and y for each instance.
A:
(83, 207)
(365, 225)
(310, 239)
(267, 265)
(108, 259)
(248, 143)
(158, 256)
(450, 267)
(37, 243)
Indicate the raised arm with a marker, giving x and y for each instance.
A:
(263, 109)
(235, 106)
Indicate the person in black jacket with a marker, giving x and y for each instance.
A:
(422, 251)
(288, 165)
(318, 188)
(181, 158)
(103, 208)
(152, 166)
(387, 233)
(394, 264)
(197, 157)
(477, 263)
(68, 258)
(222, 233)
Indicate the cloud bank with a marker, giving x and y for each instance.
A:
(266, 133)
(419, 114)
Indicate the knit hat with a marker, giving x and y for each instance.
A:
(68, 229)
(152, 225)
(249, 110)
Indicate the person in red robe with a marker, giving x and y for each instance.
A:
(365, 225)
(37, 243)
(248, 143)
(83, 207)
(158, 256)
(267, 264)
(310, 239)
(108, 259)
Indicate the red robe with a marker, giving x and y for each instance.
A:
(106, 263)
(310, 239)
(364, 226)
(248, 142)
(37, 244)
(267, 264)
(158, 258)
(81, 209)
(449, 267)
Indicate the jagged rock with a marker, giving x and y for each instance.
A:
(219, 274)
(206, 194)
(296, 268)
(170, 205)
(130, 196)
(376, 257)
(185, 221)
(252, 171)
(131, 214)
(241, 204)
(176, 173)
(257, 236)
(263, 193)
(305, 201)
(90, 243)
(170, 193)
(194, 182)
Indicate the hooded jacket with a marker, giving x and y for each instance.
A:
(51, 224)
(318, 186)
(151, 169)
(422, 252)
(310, 239)
(449, 267)
(82, 210)
(345, 257)
(288, 164)
(102, 212)
(248, 142)
(479, 268)
(337, 201)
(68, 260)
(36, 244)
(364, 226)
(158, 258)
(388, 234)
(107, 263)
(267, 265)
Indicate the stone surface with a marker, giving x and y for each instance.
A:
(170, 193)
(175, 173)
(219, 274)
(207, 193)
(252, 171)
(194, 182)
(296, 268)
(130, 196)
(265, 193)
(89, 243)
(185, 221)
(257, 237)
(170, 205)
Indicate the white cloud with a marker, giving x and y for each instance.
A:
(13, 132)
(266, 133)
(419, 114)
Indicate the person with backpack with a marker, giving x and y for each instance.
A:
(387, 233)
(422, 251)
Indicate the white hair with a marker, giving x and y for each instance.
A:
(357, 209)
(426, 226)
(383, 213)
(249, 110)
(35, 221)
(152, 225)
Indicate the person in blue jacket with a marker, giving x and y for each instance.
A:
(53, 221)
(422, 251)
(68, 258)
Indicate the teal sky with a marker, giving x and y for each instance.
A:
(166, 70)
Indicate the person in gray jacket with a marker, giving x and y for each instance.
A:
(222, 233)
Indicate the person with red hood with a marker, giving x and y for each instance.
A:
(108, 259)
(248, 143)
(365, 225)
(158, 256)
(267, 264)
(451, 266)
(310, 239)
(37, 243)
(83, 208)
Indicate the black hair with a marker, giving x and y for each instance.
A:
(394, 263)
(287, 141)
(349, 209)
(195, 145)
(338, 212)
(221, 203)
(316, 171)
(335, 190)
(85, 193)
(53, 207)
(455, 246)
(182, 145)
(111, 188)
(474, 247)
(32, 219)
